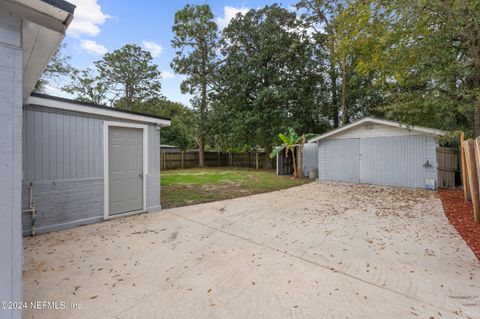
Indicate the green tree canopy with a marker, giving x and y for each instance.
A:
(182, 129)
(130, 74)
(270, 79)
(87, 87)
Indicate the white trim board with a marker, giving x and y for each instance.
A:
(103, 111)
(106, 186)
(370, 120)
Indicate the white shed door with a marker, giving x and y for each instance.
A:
(342, 160)
(396, 161)
(125, 165)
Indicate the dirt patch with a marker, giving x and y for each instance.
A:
(460, 215)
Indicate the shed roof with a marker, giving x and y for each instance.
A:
(89, 108)
(371, 120)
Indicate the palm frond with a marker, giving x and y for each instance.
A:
(276, 151)
(285, 139)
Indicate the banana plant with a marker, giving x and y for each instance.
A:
(289, 142)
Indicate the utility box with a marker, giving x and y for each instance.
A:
(430, 184)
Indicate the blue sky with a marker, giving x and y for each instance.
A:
(100, 26)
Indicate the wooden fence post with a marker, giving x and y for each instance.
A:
(183, 159)
(164, 160)
(466, 191)
(256, 160)
(472, 177)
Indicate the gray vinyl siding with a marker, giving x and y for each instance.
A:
(63, 159)
(10, 160)
(154, 150)
(62, 146)
(388, 160)
(342, 160)
(395, 161)
(322, 171)
(431, 155)
(310, 157)
(153, 192)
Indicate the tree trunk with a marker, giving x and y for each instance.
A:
(344, 93)
(333, 80)
(300, 157)
(294, 163)
(477, 118)
(203, 109)
(201, 151)
(268, 160)
(127, 98)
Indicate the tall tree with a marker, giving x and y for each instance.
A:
(130, 75)
(320, 15)
(87, 87)
(57, 68)
(196, 43)
(268, 81)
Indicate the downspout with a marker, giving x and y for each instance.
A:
(31, 209)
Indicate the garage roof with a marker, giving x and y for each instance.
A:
(89, 108)
(371, 120)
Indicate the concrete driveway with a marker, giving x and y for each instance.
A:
(315, 251)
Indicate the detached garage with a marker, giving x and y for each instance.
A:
(381, 152)
(83, 163)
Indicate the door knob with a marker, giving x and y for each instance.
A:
(140, 175)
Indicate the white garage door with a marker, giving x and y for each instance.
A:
(342, 160)
(396, 161)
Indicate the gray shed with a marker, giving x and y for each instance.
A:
(84, 163)
(375, 151)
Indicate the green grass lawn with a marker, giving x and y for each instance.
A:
(193, 186)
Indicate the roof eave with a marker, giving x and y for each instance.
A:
(75, 106)
(422, 129)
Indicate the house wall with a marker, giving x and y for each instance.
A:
(63, 161)
(10, 160)
(153, 176)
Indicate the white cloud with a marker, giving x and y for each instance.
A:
(154, 48)
(228, 14)
(167, 75)
(93, 47)
(87, 19)
(51, 90)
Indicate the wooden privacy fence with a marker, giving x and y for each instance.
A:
(447, 166)
(470, 160)
(189, 159)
